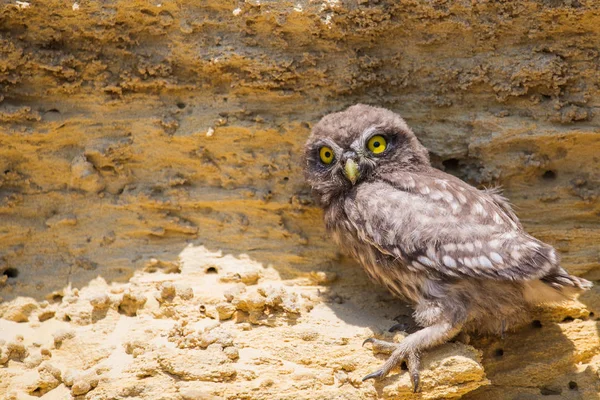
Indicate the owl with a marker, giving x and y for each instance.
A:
(458, 254)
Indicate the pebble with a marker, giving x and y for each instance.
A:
(20, 309)
(61, 335)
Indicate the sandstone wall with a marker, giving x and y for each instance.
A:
(132, 132)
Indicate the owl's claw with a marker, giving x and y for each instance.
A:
(398, 354)
(374, 375)
(408, 326)
(381, 346)
(415, 378)
(402, 327)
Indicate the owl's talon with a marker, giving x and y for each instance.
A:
(413, 362)
(400, 353)
(381, 346)
(415, 379)
(402, 327)
(369, 340)
(374, 375)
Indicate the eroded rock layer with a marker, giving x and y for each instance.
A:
(133, 134)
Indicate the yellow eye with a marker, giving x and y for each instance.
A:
(377, 144)
(326, 154)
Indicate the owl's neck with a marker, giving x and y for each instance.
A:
(333, 212)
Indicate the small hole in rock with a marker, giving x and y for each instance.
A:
(549, 176)
(286, 179)
(11, 272)
(211, 270)
(592, 315)
(536, 324)
(57, 298)
(450, 164)
(202, 308)
(67, 318)
(404, 367)
(181, 105)
(567, 319)
(53, 110)
(573, 385)
(6, 171)
(499, 352)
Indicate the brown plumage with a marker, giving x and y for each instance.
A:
(458, 254)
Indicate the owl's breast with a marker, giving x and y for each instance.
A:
(381, 268)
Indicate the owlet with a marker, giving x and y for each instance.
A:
(459, 255)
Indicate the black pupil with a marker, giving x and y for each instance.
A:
(327, 154)
(376, 144)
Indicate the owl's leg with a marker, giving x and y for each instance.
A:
(411, 347)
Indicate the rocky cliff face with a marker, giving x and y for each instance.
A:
(156, 236)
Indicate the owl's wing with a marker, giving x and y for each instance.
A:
(442, 226)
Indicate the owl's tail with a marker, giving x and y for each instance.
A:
(555, 287)
(560, 279)
(567, 285)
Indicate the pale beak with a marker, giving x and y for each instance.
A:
(351, 170)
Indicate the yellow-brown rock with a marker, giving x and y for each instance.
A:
(18, 310)
(151, 191)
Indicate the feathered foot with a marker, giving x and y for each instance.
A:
(410, 349)
(397, 356)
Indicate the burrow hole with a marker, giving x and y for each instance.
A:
(211, 270)
(549, 175)
(11, 272)
(451, 164)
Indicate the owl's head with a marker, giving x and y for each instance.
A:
(359, 144)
